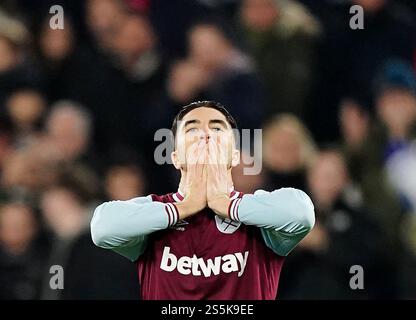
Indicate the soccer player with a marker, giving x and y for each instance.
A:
(207, 240)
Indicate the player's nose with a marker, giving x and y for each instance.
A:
(205, 134)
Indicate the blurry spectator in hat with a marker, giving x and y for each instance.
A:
(396, 104)
(25, 107)
(350, 59)
(282, 37)
(22, 253)
(215, 69)
(287, 149)
(342, 226)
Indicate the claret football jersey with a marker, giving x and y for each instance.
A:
(208, 257)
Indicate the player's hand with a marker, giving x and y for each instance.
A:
(196, 181)
(218, 187)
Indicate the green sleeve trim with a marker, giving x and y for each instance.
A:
(282, 243)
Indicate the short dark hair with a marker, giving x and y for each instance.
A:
(202, 104)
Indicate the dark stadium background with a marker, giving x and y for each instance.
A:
(79, 108)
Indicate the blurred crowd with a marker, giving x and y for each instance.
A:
(79, 108)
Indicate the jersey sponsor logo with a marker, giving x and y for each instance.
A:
(234, 262)
(226, 225)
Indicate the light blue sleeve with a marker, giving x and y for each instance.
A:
(285, 216)
(124, 226)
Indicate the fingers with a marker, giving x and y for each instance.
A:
(222, 154)
(196, 160)
(201, 158)
(192, 154)
(207, 161)
(212, 153)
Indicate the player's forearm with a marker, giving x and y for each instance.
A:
(118, 223)
(287, 209)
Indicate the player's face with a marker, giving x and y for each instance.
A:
(204, 124)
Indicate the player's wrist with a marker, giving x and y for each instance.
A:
(220, 204)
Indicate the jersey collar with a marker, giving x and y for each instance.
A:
(178, 196)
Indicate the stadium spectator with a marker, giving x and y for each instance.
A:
(63, 147)
(68, 127)
(351, 59)
(124, 182)
(104, 18)
(343, 236)
(215, 69)
(16, 67)
(392, 131)
(131, 64)
(282, 38)
(25, 108)
(13, 36)
(244, 181)
(22, 254)
(287, 150)
(67, 212)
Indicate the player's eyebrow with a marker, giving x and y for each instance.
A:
(193, 121)
(220, 122)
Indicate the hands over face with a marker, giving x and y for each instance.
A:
(207, 182)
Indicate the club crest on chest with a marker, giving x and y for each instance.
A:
(226, 225)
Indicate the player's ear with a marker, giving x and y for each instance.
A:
(175, 159)
(235, 159)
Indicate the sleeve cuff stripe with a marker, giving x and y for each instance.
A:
(237, 204)
(230, 209)
(169, 215)
(233, 209)
(174, 213)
